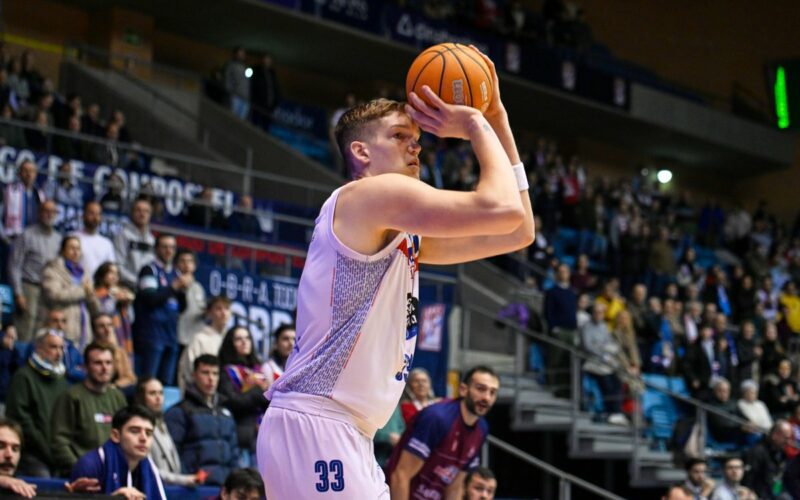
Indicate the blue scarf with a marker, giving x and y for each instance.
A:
(144, 478)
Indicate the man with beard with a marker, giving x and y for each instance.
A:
(82, 415)
(480, 484)
(10, 448)
(95, 248)
(442, 443)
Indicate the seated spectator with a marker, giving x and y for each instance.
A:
(121, 465)
(38, 138)
(70, 147)
(242, 484)
(17, 83)
(582, 279)
(206, 341)
(242, 383)
(90, 120)
(115, 301)
(10, 448)
(201, 212)
(600, 367)
(480, 484)
(754, 410)
(387, 437)
(723, 429)
(73, 359)
(243, 220)
(417, 395)
(31, 396)
(697, 483)
(730, 488)
(118, 119)
(285, 338)
(124, 378)
(82, 415)
(772, 350)
(766, 462)
(203, 430)
(780, 390)
(66, 287)
(150, 394)
(63, 189)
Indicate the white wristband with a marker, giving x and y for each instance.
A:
(522, 177)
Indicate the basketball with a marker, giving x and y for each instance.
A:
(456, 73)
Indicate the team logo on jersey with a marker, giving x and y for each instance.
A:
(446, 474)
(412, 316)
(402, 375)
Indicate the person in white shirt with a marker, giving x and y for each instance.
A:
(192, 319)
(97, 249)
(752, 408)
(208, 340)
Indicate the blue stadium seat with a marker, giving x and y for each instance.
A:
(172, 396)
(659, 409)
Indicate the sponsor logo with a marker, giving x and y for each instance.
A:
(458, 91)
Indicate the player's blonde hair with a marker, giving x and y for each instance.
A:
(355, 124)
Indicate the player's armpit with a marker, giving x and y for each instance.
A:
(408, 466)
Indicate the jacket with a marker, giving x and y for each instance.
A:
(157, 306)
(205, 435)
(247, 407)
(60, 291)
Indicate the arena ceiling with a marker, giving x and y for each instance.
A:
(336, 50)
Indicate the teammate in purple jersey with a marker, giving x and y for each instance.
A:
(443, 442)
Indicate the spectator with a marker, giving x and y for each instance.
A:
(10, 135)
(638, 309)
(192, 319)
(731, 488)
(90, 121)
(118, 119)
(560, 312)
(723, 429)
(768, 297)
(242, 484)
(37, 246)
(582, 280)
(56, 320)
(17, 83)
(701, 363)
(81, 417)
(749, 352)
(243, 220)
(96, 247)
(625, 336)
(612, 301)
(596, 339)
(65, 286)
(780, 390)
(754, 410)
(697, 483)
(22, 200)
(264, 92)
(444, 436)
(236, 84)
(745, 300)
(418, 394)
(133, 243)
(150, 394)
(38, 137)
(766, 462)
(480, 484)
(242, 384)
(120, 465)
(201, 212)
(124, 378)
(203, 430)
(115, 301)
(679, 492)
(113, 202)
(31, 395)
(35, 80)
(285, 339)
(160, 298)
(70, 147)
(208, 340)
(10, 449)
(63, 189)
(790, 307)
(63, 110)
(661, 262)
(11, 358)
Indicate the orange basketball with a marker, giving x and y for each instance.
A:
(456, 73)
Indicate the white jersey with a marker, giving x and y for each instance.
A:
(356, 327)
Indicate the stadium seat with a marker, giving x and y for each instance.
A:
(172, 396)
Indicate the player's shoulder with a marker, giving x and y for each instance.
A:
(444, 411)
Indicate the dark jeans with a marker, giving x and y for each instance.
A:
(157, 359)
(611, 388)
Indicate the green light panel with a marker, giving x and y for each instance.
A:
(781, 98)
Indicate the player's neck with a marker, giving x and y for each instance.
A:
(467, 416)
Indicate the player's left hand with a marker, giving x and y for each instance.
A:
(440, 118)
(496, 107)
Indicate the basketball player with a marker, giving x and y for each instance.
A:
(357, 298)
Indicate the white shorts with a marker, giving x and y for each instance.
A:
(310, 456)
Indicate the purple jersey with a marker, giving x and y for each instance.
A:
(439, 436)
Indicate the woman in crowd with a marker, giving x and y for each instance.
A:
(780, 390)
(754, 410)
(418, 394)
(242, 384)
(65, 286)
(115, 300)
(150, 394)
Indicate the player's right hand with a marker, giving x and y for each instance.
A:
(440, 118)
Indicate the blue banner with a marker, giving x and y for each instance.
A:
(362, 14)
(308, 119)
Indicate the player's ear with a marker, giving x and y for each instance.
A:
(462, 389)
(360, 151)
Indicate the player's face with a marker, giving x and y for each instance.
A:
(395, 146)
(134, 438)
(481, 488)
(481, 393)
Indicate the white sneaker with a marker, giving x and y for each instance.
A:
(618, 419)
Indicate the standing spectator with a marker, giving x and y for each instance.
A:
(780, 390)
(118, 119)
(90, 121)
(285, 339)
(208, 340)
(236, 84)
(242, 384)
(81, 417)
(749, 352)
(612, 301)
(192, 319)
(418, 394)
(31, 395)
(96, 247)
(65, 286)
(731, 488)
(38, 137)
(243, 220)
(754, 410)
(445, 436)
(124, 379)
(121, 465)
(10, 449)
(22, 200)
(560, 312)
(160, 298)
(17, 83)
(766, 462)
(150, 394)
(790, 308)
(35, 80)
(625, 336)
(661, 262)
(62, 188)
(115, 301)
(697, 483)
(264, 92)
(133, 244)
(203, 430)
(701, 363)
(37, 246)
(600, 367)
(480, 484)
